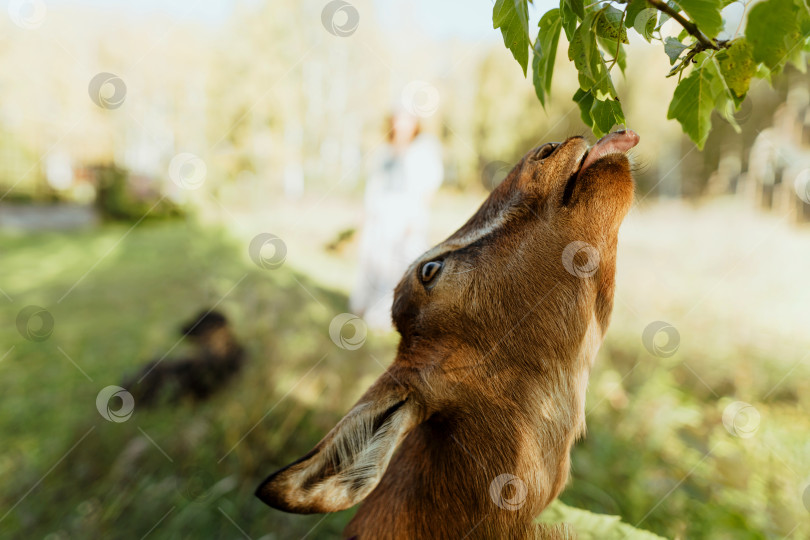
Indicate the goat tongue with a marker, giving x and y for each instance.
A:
(617, 142)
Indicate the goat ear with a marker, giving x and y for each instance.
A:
(349, 462)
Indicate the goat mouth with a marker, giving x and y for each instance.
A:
(618, 142)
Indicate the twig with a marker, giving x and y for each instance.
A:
(619, 40)
(688, 25)
(696, 49)
(703, 43)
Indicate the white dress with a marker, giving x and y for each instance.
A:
(398, 191)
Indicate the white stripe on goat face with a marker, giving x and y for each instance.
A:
(452, 244)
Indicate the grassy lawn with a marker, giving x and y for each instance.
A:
(117, 480)
(657, 452)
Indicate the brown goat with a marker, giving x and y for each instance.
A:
(467, 434)
(216, 357)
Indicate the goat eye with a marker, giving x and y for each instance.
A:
(429, 270)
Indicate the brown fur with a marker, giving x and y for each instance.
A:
(490, 373)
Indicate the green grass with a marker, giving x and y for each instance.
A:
(652, 423)
(657, 453)
(126, 311)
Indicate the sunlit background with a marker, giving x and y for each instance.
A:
(144, 145)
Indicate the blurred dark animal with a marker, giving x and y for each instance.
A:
(215, 359)
(468, 432)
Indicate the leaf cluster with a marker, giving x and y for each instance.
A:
(713, 74)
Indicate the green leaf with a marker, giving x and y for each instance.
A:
(569, 21)
(641, 17)
(773, 32)
(592, 71)
(512, 17)
(589, 525)
(585, 102)
(804, 19)
(634, 7)
(610, 47)
(737, 66)
(705, 14)
(571, 12)
(577, 6)
(645, 23)
(763, 73)
(693, 102)
(726, 102)
(608, 24)
(581, 50)
(664, 17)
(545, 51)
(674, 48)
(798, 58)
(606, 114)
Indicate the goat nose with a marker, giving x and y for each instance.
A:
(545, 150)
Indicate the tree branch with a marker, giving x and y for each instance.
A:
(689, 26)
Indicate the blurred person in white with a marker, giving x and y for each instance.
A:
(402, 179)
